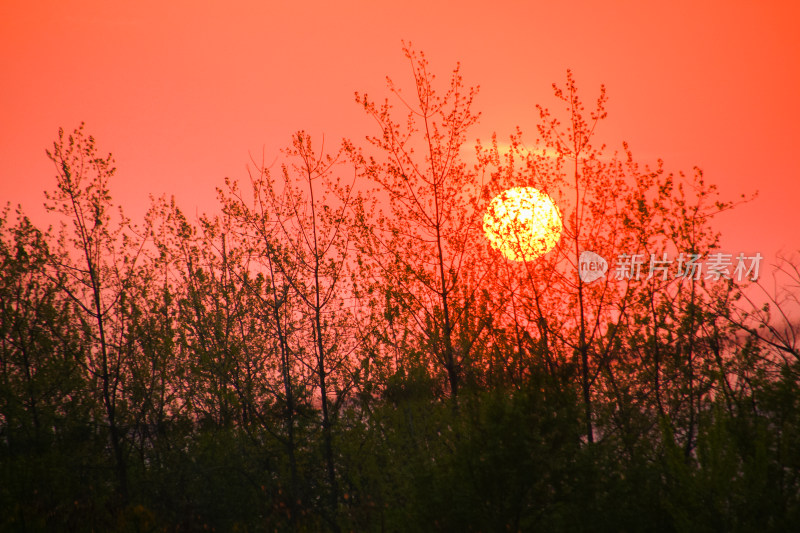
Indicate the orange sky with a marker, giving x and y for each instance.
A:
(183, 92)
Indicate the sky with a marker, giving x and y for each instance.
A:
(186, 93)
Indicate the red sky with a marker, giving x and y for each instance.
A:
(183, 92)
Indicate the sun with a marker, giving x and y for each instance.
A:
(522, 223)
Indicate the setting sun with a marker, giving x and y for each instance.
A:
(522, 223)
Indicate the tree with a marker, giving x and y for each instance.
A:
(45, 413)
(267, 366)
(422, 246)
(94, 266)
(619, 331)
(298, 232)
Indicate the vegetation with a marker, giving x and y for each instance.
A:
(339, 348)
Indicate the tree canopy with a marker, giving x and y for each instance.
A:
(340, 347)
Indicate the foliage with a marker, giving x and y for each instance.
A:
(339, 348)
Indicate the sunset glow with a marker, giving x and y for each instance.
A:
(399, 266)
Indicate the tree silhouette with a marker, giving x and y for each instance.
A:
(94, 266)
(421, 245)
(339, 347)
